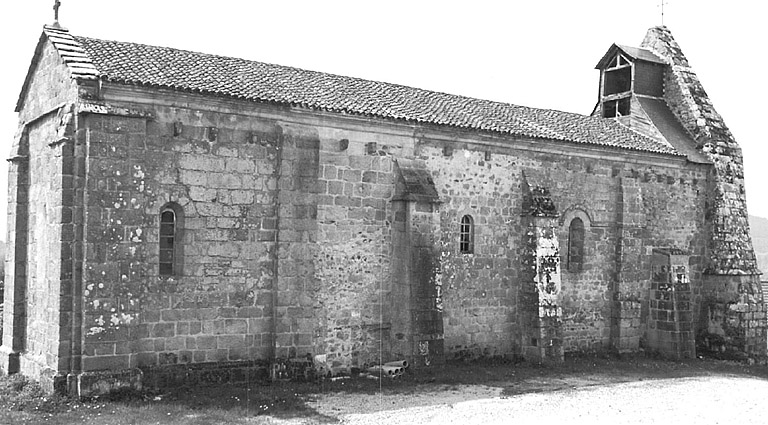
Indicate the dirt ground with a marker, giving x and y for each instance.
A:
(695, 400)
(328, 400)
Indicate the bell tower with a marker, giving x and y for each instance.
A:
(653, 90)
(626, 72)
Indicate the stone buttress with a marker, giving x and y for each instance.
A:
(417, 279)
(733, 316)
(542, 329)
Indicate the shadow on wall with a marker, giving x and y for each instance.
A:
(2, 285)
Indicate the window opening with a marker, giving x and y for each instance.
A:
(623, 60)
(167, 242)
(575, 245)
(618, 80)
(617, 84)
(618, 61)
(616, 108)
(466, 235)
(660, 270)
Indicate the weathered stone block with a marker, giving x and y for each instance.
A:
(205, 342)
(111, 363)
(231, 342)
(161, 330)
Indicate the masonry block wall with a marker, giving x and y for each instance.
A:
(733, 295)
(39, 273)
(286, 240)
(278, 202)
(44, 261)
(293, 245)
(298, 184)
(591, 190)
(218, 305)
(627, 210)
(732, 318)
(352, 318)
(479, 289)
(301, 232)
(14, 308)
(428, 340)
(399, 312)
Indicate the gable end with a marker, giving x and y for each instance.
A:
(70, 52)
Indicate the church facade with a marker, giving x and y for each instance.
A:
(176, 216)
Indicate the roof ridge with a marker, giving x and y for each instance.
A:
(296, 68)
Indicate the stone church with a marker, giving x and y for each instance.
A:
(178, 217)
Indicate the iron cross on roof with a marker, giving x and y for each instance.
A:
(661, 5)
(56, 6)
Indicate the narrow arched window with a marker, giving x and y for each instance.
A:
(167, 242)
(575, 245)
(467, 235)
(171, 234)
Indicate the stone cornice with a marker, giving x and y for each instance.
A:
(144, 98)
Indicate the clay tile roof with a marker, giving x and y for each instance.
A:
(140, 64)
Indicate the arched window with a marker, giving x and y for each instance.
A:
(467, 235)
(170, 241)
(575, 245)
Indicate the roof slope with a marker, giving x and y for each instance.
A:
(636, 53)
(670, 128)
(642, 54)
(696, 110)
(139, 64)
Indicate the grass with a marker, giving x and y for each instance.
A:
(23, 402)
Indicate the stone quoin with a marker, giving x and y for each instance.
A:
(179, 217)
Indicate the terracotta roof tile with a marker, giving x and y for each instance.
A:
(140, 64)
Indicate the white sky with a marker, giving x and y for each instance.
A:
(538, 53)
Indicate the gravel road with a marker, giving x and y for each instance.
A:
(701, 400)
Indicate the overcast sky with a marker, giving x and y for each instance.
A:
(535, 52)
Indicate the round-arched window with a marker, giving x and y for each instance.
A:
(467, 235)
(576, 245)
(171, 249)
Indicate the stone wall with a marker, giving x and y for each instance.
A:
(50, 86)
(44, 259)
(733, 294)
(38, 281)
(349, 306)
(286, 233)
(627, 210)
(732, 317)
(479, 291)
(221, 172)
(303, 233)
(730, 246)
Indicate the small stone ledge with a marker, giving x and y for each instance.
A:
(106, 109)
(205, 373)
(89, 384)
(414, 182)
